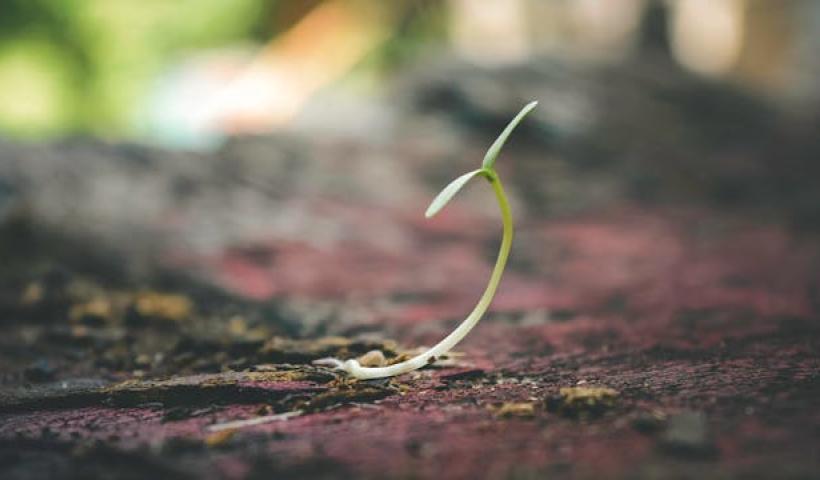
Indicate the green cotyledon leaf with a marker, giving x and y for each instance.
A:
(495, 148)
(444, 197)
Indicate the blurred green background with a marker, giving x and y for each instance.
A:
(103, 67)
(84, 66)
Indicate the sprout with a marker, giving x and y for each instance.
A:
(487, 170)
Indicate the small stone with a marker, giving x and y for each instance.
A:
(373, 358)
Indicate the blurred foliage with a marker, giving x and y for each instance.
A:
(417, 25)
(69, 66)
(86, 66)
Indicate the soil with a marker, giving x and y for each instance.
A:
(672, 335)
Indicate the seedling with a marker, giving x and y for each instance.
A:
(487, 170)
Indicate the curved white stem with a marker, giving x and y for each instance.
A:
(353, 367)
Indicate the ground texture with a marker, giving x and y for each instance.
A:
(632, 337)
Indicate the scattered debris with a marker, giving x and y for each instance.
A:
(185, 391)
(93, 312)
(349, 391)
(163, 306)
(219, 438)
(582, 402)
(515, 409)
(231, 426)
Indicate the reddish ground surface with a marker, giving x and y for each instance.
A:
(704, 328)
(660, 316)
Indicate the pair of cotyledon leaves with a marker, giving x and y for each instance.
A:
(487, 166)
